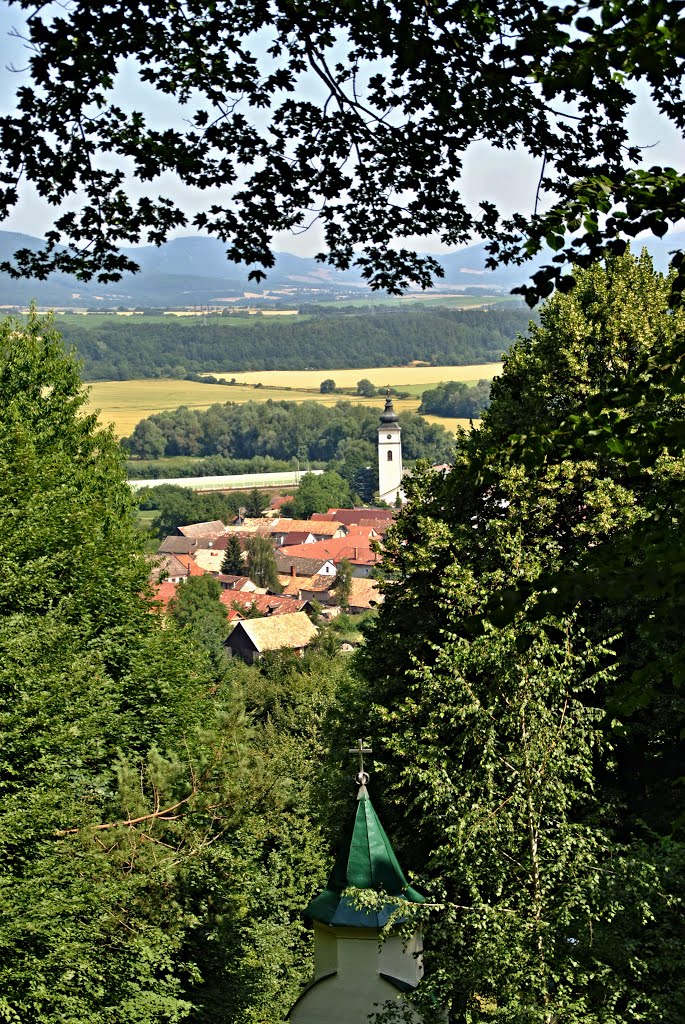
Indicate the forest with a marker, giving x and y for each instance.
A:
(286, 431)
(130, 348)
(167, 813)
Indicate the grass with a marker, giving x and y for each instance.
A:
(124, 403)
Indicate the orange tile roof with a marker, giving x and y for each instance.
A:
(336, 550)
(193, 568)
(306, 526)
(163, 593)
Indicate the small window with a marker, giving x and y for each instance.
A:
(389, 456)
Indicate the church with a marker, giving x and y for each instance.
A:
(390, 456)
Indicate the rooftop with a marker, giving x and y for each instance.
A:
(277, 631)
(213, 528)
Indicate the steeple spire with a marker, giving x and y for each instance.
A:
(366, 861)
(389, 415)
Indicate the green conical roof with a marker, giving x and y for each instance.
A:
(366, 861)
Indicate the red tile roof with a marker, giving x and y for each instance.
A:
(267, 604)
(163, 593)
(352, 516)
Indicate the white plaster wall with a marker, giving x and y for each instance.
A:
(357, 989)
(389, 473)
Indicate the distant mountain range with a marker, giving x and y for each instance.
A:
(194, 271)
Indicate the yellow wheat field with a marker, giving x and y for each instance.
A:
(395, 376)
(124, 403)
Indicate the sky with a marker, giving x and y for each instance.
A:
(508, 179)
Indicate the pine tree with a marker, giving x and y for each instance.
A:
(232, 564)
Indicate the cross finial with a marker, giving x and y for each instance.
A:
(361, 777)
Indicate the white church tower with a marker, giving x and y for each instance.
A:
(389, 455)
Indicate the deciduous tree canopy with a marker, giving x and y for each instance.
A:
(375, 150)
(535, 603)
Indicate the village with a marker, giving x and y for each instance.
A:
(322, 566)
(308, 555)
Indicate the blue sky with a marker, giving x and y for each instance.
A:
(508, 179)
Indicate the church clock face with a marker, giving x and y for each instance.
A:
(389, 437)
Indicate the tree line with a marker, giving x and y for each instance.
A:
(341, 437)
(125, 349)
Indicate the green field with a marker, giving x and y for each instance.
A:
(415, 301)
(124, 403)
(94, 320)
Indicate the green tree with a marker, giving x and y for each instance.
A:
(455, 398)
(425, 96)
(128, 793)
(535, 640)
(148, 441)
(318, 493)
(256, 501)
(343, 583)
(261, 563)
(232, 563)
(327, 386)
(197, 598)
(366, 388)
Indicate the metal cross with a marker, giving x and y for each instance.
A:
(361, 776)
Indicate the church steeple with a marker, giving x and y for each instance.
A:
(354, 972)
(389, 454)
(389, 415)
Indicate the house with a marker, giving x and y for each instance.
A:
(309, 588)
(177, 546)
(209, 559)
(242, 583)
(171, 568)
(251, 638)
(176, 568)
(208, 531)
(276, 504)
(193, 568)
(364, 594)
(363, 557)
(291, 565)
(353, 516)
(297, 537)
(280, 528)
(163, 594)
(249, 526)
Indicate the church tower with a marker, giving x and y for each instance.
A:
(389, 455)
(354, 972)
